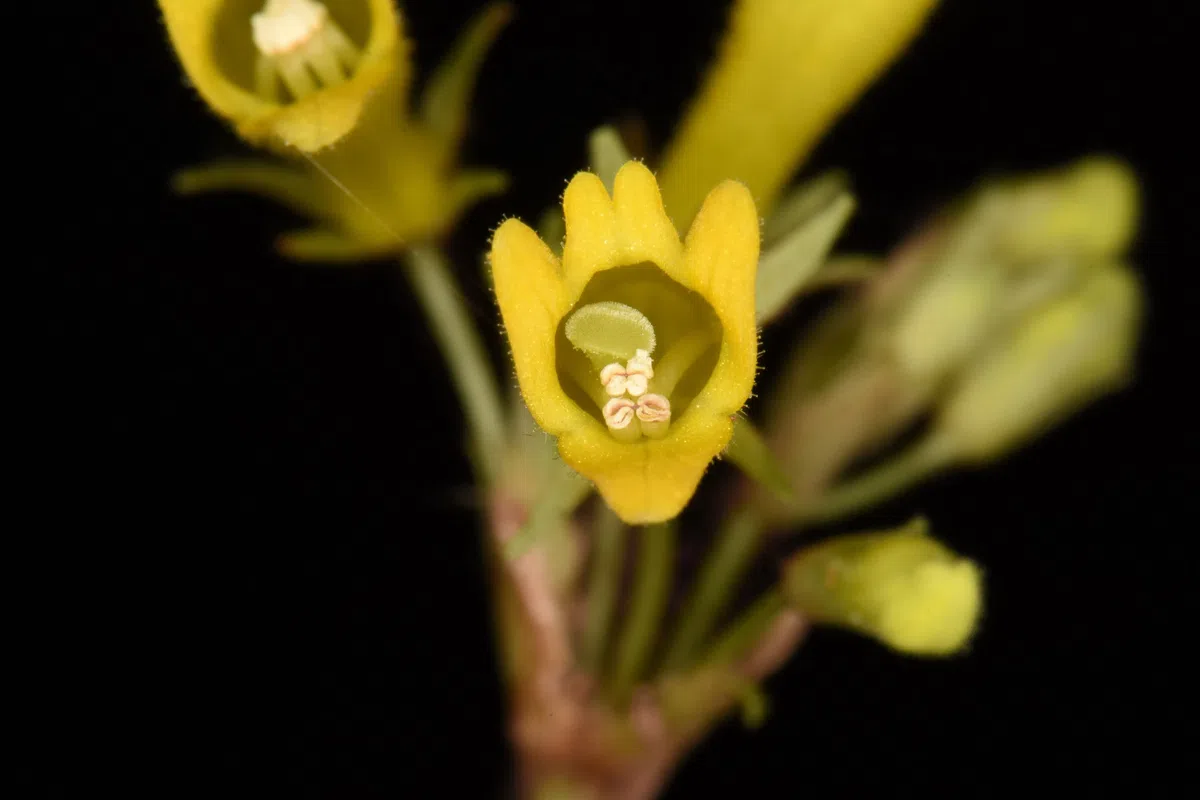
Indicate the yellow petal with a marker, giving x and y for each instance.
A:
(533, 300)
(646, 233)
(785, 71)
(192, 26)
(648, 480)
(212, 39)
(593, 240)
(720, 263)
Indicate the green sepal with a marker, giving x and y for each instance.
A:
(548, 514)
(750, 453)
(607, 154)
(755, 705)
(797, 240)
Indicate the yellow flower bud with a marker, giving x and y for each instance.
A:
(785, 71)
(622, 263)
(901, 587)
(296, 73)
(1060, 358)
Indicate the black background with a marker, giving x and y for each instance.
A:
(261, 527)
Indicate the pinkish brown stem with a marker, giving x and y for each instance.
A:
(568, 742)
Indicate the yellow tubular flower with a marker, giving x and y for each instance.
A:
(785, 71)
(398, 181)
(676, 319)
(295, 73)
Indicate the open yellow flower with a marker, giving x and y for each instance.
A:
(674, 319)
(296, 73)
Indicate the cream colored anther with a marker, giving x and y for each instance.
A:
(618, 413)
(284, 25)
(638, 372)
(613, 378)
(633, 378)
(653, 408)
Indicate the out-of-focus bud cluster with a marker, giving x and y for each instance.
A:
(1015, 249)
(901, 587)
(1059, 322)
(1009, 311)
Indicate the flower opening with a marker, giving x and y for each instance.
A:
(688, 337)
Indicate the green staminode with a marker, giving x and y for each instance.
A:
(610, 331)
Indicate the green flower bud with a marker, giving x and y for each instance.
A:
(1016, 245)
(1089, 210)
(901, 587)
(1058, 359)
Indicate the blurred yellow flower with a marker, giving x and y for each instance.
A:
(391, 181)
(636, 349)
(296, 73)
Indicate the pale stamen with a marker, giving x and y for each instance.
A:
(612, 377)
(654, 412)
(620, 416)
(633, 378)
(653, 408)
(638, 372)
(300, 45)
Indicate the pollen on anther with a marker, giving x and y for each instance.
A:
(284, 25)
(612, 377)
(653, 408)
(638, 372)
(618, 413)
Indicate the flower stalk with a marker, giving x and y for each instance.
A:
(466, 357)
(648, 600)
(726, 564)
(609, 537)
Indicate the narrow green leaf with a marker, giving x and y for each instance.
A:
(798, 245)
